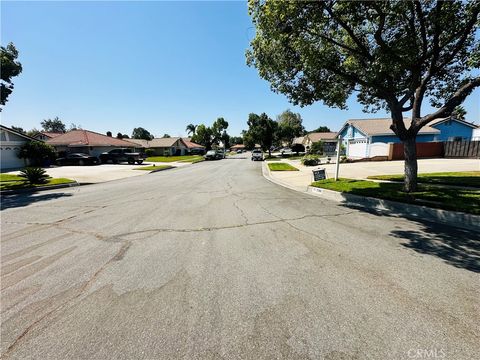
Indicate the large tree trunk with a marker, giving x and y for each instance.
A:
(411, 167)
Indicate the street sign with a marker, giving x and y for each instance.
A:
(319, 174)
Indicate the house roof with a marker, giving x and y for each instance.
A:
(442, 120)
(191, 145)
(372, 127)
(318, 136)
(87, 138)
(50, 135)
(237, 146)
(298, 140)
(18, 133)
(157, 142)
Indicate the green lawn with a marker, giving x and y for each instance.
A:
(153, 167)
(15, 182)
(281, 167)
(433, 196)
(183, 158)
(464, 178)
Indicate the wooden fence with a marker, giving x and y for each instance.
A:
(463, 149)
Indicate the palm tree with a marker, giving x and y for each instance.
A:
(191, 129)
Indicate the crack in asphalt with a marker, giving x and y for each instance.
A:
(118, 256)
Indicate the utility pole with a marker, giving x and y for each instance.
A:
(337, 164)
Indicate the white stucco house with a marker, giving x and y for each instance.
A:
(10, 143)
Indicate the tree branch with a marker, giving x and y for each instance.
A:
(457, 98)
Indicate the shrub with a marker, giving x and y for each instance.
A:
(34, 175)
(149, 152)
(317, 148)
(310, 160)
(38, 152)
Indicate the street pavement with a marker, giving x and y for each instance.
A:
(213, 261)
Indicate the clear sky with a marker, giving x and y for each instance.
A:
(113, 66)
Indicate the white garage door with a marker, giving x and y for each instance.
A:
(357, 149)
(9, 158)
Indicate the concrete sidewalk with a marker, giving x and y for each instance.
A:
(361, 170)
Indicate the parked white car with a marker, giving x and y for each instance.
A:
(257, 155)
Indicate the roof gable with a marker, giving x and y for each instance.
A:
(87, 138)
(25, 136)
(381, 126)
(436, 122)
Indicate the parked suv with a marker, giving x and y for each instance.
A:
(122, 155)
(257, 155)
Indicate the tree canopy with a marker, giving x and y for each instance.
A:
(261, 130)
(141, 133)
(289, 126)
(10, 68)
(322, 129)
(53, 125)
(393, 54)
(209, 136)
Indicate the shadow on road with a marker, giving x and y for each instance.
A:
(456, 246)
(24, 199)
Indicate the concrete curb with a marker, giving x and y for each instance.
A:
(389, 207)
(268, 175)
(39, 188)
(157, 170)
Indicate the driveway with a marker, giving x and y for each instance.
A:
(212, 261)
(101, 173)
(361, 170)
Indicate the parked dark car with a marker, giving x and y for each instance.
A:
(122, 155)
(213, 155)
(78, 159)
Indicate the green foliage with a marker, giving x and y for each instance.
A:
(289, 126)
(235, 140)
(210, 136)
(149, 152)
(317, 148)
(37, 152)
(461, 178)
(141, 133)
(109, 133)
(166, 136)
(34, 175)
(190, 129)
(53, 125)
(281, 167)
(10, 68)
(322, 129)
(310, 160)
(261, 130)
(18, 129)
(433, 196)
(459, 113)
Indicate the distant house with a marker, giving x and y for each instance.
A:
(10, 143)
(329, 140)
(45, 135)
(237, 147)
(88, 142)
(163, 146)
(193, 148)
(366, 138)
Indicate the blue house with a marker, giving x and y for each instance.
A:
(365, 138)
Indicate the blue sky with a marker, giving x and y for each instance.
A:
(160, 65)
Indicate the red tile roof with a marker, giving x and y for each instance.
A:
(191, 144)
(51, 135)
(87, 138)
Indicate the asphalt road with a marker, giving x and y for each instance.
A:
(213, 261)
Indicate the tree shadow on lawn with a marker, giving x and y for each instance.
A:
(27, 198)
(455, 246)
